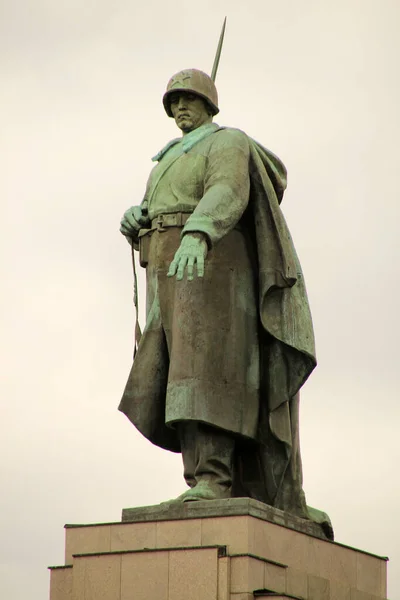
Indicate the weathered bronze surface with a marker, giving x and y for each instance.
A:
(228, 341)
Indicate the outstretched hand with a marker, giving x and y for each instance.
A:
(192, 251)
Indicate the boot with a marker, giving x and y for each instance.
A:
(207, 454)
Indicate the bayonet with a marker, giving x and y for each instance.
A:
(218, 53)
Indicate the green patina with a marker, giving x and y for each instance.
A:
(229, 340)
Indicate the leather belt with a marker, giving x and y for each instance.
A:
(163, 221)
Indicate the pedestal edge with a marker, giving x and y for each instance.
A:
(230, 507)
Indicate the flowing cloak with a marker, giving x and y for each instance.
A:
(271, 470)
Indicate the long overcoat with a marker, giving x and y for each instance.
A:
(233, 348)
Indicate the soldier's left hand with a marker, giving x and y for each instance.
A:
(192, 251)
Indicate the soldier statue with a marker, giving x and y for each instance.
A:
(228, 340)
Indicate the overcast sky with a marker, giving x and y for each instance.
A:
(315, 81)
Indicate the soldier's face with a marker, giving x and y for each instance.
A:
(189, 111)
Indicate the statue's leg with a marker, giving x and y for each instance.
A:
(186, 433)
(207, 454)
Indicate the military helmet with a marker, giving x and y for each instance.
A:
(192, 80)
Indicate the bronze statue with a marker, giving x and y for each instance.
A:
(228, 341)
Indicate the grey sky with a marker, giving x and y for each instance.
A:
(316, 82)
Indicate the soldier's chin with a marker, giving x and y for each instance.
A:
(185, 125)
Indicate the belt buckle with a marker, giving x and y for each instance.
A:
(160, 221)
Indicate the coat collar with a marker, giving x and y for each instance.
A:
(188, 141)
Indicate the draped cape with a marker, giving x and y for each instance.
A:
(272, 472)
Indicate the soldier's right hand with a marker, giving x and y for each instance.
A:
(132, 221)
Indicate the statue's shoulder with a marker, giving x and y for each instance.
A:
(228, 137)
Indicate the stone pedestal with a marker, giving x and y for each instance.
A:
(236, 549)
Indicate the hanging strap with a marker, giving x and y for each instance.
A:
(138, 331)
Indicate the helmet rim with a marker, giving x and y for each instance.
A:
(167, 105)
